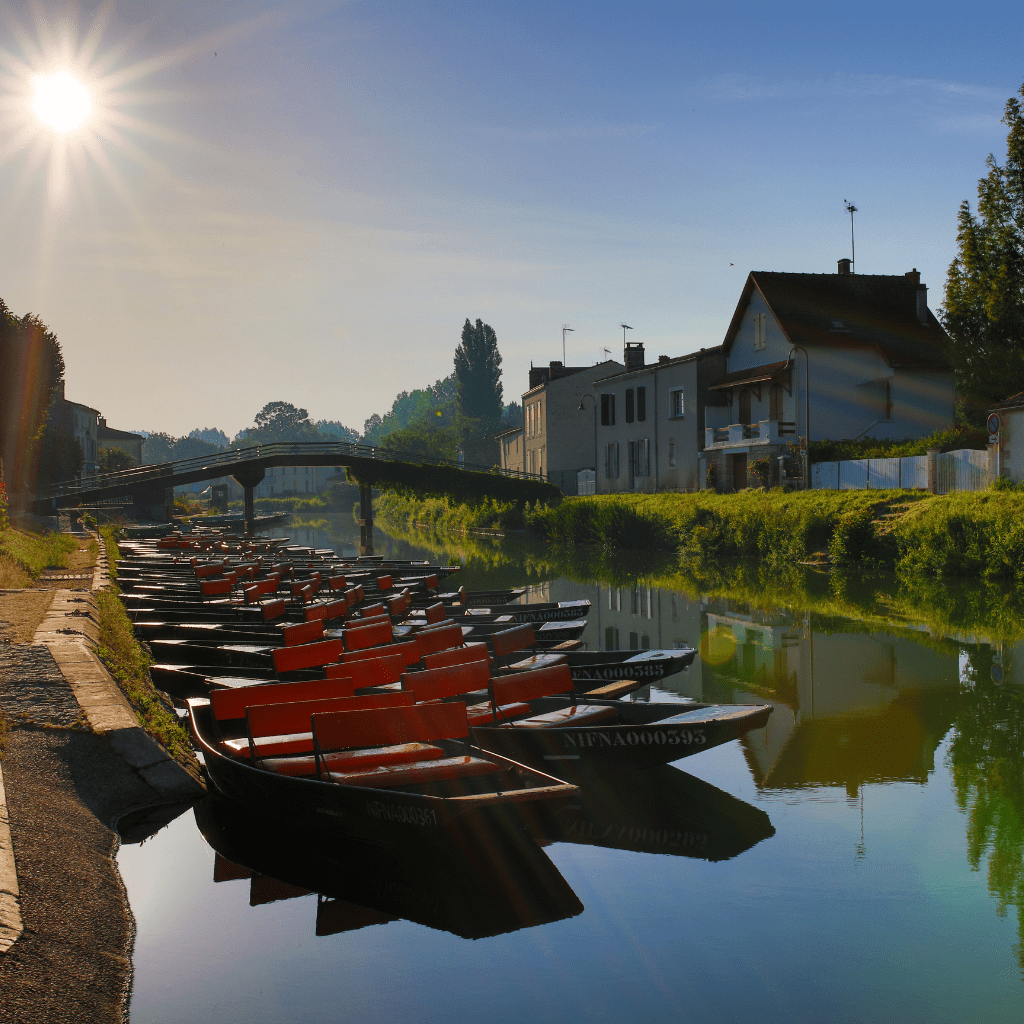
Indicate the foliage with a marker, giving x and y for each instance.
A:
(211, 435)
(159, 448)
(984, 307)
(460, 485)
(113, 460)
(129, 664)
(337, 498)
(405, 512)
(111, 534)
(335, 429)
(761, 468)
(280, 421)
(434, 405)
(58, 452)
(948, 440)
(31, 373)
(4, 521)
(437, 443)
(35, 552)
(478, 372)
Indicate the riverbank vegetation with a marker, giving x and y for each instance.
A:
(24, 555)
(970, 534)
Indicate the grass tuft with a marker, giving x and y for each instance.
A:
(34, 552)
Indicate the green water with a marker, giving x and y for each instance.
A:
(867, 847)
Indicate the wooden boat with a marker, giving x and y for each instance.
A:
(549, 729)
(658, 810)
(404, 809)
(461, 886)
(548, 611)
(647, 666)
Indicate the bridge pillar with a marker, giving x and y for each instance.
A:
(365, 520)
(249, 477)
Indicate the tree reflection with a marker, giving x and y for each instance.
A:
(985, 757)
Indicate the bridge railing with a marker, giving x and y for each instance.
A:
(155, 473)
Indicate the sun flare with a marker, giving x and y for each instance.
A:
(61, 101)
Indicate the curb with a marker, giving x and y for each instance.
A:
(10, 910)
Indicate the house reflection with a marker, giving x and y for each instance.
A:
(851, 705)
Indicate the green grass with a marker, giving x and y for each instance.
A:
(34, 552)
(129, 664)
(443, 515)
(111, 535)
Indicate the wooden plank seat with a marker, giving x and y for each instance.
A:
(448, 681)
(281, 739)
(273, 609)
(408, 649)
(551, 681)
(510, 642)
(435, 613)
(423, 723)
(326, 610)
(303, 632)
(440, 638)
(544, 659)
(373, 635)
(383, 671)
(315, 655)
(460, 656)
(229, 703)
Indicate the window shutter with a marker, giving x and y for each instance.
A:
(629, 405)
(641, 404)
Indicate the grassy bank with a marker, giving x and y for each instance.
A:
(971, 534)
(24, 555)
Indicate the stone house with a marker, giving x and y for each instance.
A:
(649, 427)
(108, 437)
(840, 356)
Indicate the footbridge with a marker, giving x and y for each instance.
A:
(369, 466)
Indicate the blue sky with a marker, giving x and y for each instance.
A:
(303, 202)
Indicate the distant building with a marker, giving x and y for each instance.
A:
(107, 437)
(840, 356)
(483, 452)
(82, 421)
(1011, 437)
(649, 427)
(510, 449)
(557, 436)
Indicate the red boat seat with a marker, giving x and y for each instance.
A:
(443, 638)
(539, 661)
(352, 760)
(508, 641)
(435, 613)
(230, 702)
(459, 656)
(337, 583)
(273, 609)
(447, 681)
(541, 682)
(483, 714)
(326, 610)
(291, 659)
(360, 637)
(303, 632)
(420, 723)
(385, 582)
(370, 672)
(408, 649)
(211, 588)
(430, 582)
(417, 773)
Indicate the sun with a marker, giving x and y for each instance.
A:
(61, 101)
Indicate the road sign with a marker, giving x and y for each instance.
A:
(993, 423)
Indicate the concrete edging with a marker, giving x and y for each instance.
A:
(11, 925)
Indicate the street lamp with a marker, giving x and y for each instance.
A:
(807, 411)
(565, 328)
(580, 408)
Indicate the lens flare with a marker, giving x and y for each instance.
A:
(61, 101)
(718, 645)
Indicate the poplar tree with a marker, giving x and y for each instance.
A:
(478, 378)
(984, 307)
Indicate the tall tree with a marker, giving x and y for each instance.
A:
(984, 310)
(478, 378)
(31, 372)
(279, 421)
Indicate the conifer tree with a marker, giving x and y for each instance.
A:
(478, 377)
(984, 308)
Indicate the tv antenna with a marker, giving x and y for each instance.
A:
(851, 209)
(625, 327)
(565, 328)
(607, 352)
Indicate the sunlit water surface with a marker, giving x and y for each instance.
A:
(860, 889)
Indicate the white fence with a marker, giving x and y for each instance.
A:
(964, 470)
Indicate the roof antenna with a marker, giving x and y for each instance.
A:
(565, 327)
(851, 209)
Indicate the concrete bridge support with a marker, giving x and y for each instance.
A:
(249, 478)
(365, 520)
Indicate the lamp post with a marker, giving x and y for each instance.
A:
(807, 412)
(565, 329)
(851, 210)
(580, 408)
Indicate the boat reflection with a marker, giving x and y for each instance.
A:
(656, 810)
(492, 881)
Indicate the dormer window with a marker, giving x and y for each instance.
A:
(759, 331)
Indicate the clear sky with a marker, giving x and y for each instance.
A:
(303, 202)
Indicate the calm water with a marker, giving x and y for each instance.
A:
(865, 847)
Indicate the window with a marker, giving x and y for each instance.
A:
(607, 410)
(641, 404)
(611, 461)
(759, 330)
(671, 452)
(629, 405)
(642, 465)
(634, 642)
(675, 403)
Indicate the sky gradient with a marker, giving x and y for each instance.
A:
(304, 202)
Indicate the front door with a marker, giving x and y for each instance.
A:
(739, 472)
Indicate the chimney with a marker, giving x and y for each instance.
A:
(914, 275)
(633, 357)
(103, 422)
(844, 266)
(663, 359)
(922, 303)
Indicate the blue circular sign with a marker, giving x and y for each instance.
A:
(993, 423)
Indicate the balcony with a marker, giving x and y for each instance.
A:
(743, 435)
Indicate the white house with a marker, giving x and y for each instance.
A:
(840, 356)
(650, 421)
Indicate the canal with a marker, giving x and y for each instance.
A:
(859, 859)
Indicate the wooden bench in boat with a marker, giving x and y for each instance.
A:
(408, 649)
(385, 671)
(440, 638)
(281, 739)
(326, 610)
(554, 680)
(375, 634)
(389, 727)
(303, 632)
(315, 655)
(511, 642)
(432, 684)
(458, 656)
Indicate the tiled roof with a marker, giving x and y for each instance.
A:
(751, 375)
(1016, 402)
(850, 309)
